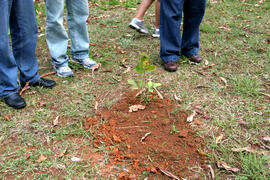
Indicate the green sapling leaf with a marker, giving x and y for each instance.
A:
(133, 83)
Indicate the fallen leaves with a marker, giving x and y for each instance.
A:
(223, 165)
(95, 67)
(135, 108)
(190, 118)
(7, 118)
(41, 158)
(63, 152)
(266, 138)
(55, 121)
(219, 139)
(248, 149)
(224, 81)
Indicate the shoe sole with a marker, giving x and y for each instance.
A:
(62, 76)
(81, 64)
(137, 28)
(155, 36)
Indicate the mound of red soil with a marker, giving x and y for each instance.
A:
(149, 140)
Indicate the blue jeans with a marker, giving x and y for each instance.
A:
(171, 42)
(19, 15)
(57, 37)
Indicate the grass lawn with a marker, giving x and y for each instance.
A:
(233, 90)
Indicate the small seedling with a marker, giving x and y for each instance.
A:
(142, 68)
(174, 130)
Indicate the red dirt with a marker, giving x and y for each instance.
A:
(123, 131)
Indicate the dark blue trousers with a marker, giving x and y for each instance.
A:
(172, 45)
(19, 16)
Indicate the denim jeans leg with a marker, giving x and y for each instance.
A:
(56, 35)
(78, 12)
(170, 21)
(8, 67)
(193, 15)
(23, 29)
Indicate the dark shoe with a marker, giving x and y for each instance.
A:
(195, 58)
(170, 66)
(46, 83)
(15, 100)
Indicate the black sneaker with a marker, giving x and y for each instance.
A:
(15, 100)
(46, 83)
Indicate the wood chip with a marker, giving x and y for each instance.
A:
(136, 107)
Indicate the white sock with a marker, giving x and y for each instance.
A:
(139, 20)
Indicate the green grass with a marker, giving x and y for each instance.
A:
(233, 37)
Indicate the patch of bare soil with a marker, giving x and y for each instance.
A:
(152, 140)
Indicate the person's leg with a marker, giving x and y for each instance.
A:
(8, 67)
(23, 29)
(145, 4)
(193, 15)
(77, 14)
(56, 35)
(170, 21)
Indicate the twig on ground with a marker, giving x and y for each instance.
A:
(169, 174)
(159, 94)
(47, 74)
(140, 92)
(24, 88)
(145, 136)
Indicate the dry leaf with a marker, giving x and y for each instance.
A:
(96, 66)
(201, 153)
(127, 70)
(63, 152)
(42, 104)
(248, 149)
(177, 98)
(224, 81)
(266, 138)
(41, 158)
(136, 108)
(55, 121)
(145, 136)
(190, 118)
(222, 164)
(206, 62)
(219, 139)
(208, 66)
(96, 106)
(7, 118)
(116, 139)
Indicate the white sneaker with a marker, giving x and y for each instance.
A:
(87, 62)
(138, 25)
(63, 71)
(156, 33)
